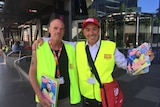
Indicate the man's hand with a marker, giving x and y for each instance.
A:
(35, 44)
(44, 102)
(151, 54)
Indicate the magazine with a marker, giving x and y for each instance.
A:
(50, 88)
(137, 61)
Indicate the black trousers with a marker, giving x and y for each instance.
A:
(90, 102)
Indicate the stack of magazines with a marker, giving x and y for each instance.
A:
(137, 61)
(50, 89)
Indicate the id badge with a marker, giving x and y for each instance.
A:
(91, 80)
(61, 79)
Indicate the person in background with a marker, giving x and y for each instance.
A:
(104, 55)
(17, 47)
(5, 48)
(57, 60)
(127, 42)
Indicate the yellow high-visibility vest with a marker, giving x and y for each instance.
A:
(46, 65)
(104, 64)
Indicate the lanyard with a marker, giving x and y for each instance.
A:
(56, 58)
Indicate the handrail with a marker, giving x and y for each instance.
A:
(15, 52)
(19, 69)
(20, 57)
(17, 60)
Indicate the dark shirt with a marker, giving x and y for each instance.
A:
(64, 89)
(127, 44)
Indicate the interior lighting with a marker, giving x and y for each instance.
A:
(32, 11)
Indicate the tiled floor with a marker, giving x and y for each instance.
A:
(139, 91)
(149, 93)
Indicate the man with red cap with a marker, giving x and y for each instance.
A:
(104, 55)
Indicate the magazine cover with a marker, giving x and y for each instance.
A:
(50, 88)
(137, 61)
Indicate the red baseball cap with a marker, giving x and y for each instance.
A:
(90, 20)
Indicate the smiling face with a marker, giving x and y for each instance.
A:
(91, 32)
(56, 30)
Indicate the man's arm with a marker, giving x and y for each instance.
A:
(120, 59)
(36, 42)
(33, 81)
(150, 54)
(41, 40)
